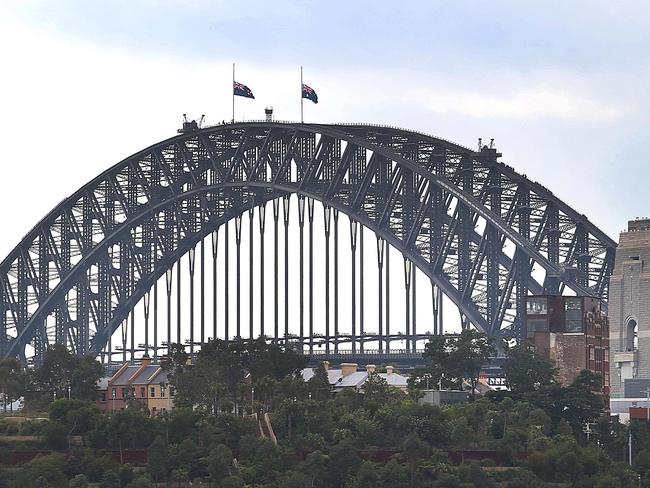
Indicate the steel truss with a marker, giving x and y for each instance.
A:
(483, 234)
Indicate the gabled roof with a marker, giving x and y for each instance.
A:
(356, 379)
(333, 375)
(145, 376)
(395, 379)
(123, 377)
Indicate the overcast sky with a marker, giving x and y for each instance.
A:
(561, 86)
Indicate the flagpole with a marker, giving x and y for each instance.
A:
(301, 100)
(233, 92)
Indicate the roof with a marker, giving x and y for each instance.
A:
(395, 379)
(146, 375)
(122, 378)
(352, 380)
(333, 375)
(622, 405)
(356, 379)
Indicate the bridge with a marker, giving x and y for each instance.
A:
(165, 246)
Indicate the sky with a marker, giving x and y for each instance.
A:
(562, 86)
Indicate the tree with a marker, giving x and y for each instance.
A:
(79, 481)
(42, 471)
(526, 371)
(140, 482)
(219, 462)
(55, 372)
(319, 384)
(110, 480)
(85, 374)
(413, 450)
(453, 359)
(315, 468)
(440, 371)
(13, 381)
(157, 456)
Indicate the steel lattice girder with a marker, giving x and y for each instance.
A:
(473, 225)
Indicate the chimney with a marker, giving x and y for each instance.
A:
(145, 360)
(371, 368)
(389, 370)
(326, 365)
(348, 368)
(268, 111)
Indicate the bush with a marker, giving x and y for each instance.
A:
(79, 481)
(140, 482)
(110, 480)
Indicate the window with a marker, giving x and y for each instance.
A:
(172, 391)
(103, 396)
(152, 392)
(592, 353)
(142, 390)
(606, 379)
(536, 306)
(113, 392)
(573, 314)
(536, 325)
(632, 339)
(162, 391)
(125, 392)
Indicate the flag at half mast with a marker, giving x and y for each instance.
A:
(242, 90)
(309, 93)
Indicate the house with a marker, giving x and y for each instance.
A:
(145, 383)
(349, 376)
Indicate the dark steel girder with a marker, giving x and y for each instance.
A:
(251, 164)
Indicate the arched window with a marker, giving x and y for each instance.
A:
(631, 335)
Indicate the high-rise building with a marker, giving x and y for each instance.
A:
(572, 332)
(629, 312)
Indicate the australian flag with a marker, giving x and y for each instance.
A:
(242, 90)
(309, 93)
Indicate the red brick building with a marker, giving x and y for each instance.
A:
(145, 383)
(571, 332)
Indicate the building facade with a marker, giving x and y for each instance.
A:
(144, 383)
(629, 311)
(572, 333)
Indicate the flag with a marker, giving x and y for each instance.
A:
(242, 90)
(309, 93)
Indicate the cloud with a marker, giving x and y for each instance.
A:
(518, 104)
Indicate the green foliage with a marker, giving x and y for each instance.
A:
(13, 381)
(224, 371)
(157, 457)
(43, 471)
(453, 359)
(526, 371)
(86, 371)
(377, 437)
(63, 375)
(219, 462)
(140, 482)
(79, 481)
(111, 479)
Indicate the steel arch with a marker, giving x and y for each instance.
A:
(473, 225)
